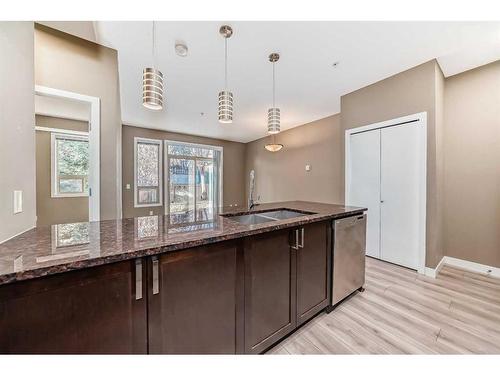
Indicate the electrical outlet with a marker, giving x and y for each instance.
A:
(308, 167)
(127, 186)
(150, 213)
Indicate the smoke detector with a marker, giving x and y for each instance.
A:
(181, 49)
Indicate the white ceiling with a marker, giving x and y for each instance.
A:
(308, 87)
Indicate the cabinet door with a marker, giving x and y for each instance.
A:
(195, 307)
(313, 265)
(270, 289)
(87, 311)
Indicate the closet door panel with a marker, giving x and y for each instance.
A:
(364, 186)
(399, 209)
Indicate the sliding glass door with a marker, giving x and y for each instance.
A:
(193, 182)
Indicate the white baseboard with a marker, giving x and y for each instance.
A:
(473, 267)
(433, 272)
(465, 265)
(18, 234)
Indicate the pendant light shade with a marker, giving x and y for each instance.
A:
(273, 114)
(273, 120)
(152, 83)
(273, 147)
(152, 88)
(225, 107)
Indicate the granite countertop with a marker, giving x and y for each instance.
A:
(64, 247)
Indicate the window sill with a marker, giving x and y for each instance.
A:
(70, 196)
(148, 205)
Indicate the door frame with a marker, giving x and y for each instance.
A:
(94, 142)
(166, 177)
(420, 117)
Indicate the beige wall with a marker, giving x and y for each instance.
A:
(69, 63)
(415, 90)
(17, 138)
(233, 164)
(282, 176)
(472, 165)
(55, 210)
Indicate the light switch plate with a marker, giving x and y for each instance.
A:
(18, 201)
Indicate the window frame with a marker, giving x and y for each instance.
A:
(220, 149)
(54, 187)
(158, 142)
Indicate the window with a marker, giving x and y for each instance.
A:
(194, 182)
(147, 172)
(70, 165)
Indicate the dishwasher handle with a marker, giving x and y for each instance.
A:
(348, 221)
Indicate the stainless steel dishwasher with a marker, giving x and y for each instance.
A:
(349, 250)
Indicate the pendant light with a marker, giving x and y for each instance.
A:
(273, 114)
(225, 109)
(152, 83)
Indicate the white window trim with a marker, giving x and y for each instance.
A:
(54, 191)
(211, 147)
(158, 142)
(60, 130)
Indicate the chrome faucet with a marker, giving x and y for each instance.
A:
(251, 203)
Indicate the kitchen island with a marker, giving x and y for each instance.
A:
(220, 282)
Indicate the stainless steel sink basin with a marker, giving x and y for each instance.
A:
(282, 214)
(264, 217)
(251, 219)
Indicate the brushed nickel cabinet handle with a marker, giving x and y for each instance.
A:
(138, 279)
(156, 284)
(301, 238)
(296, 246)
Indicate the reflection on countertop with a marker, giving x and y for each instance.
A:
(64, 247)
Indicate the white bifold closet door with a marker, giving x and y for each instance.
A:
(384, 177)
(399, 192)
(365, 184)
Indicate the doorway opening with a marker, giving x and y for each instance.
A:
(193, 181)
(67, 157)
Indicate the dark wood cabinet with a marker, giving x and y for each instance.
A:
(88, 311)
(313, 270)
(196, 306)
(286, 282)
(270, 289)
(235, 296)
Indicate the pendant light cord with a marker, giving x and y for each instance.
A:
(153, 45)
(274, 106)
(225, 63)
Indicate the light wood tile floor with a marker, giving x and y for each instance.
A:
(402, 312)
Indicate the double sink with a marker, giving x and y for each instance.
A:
(264, 217)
